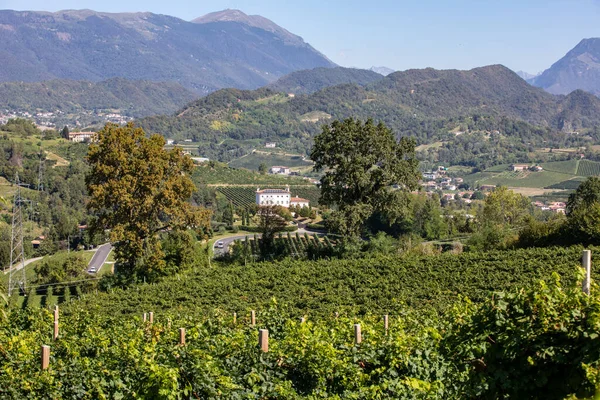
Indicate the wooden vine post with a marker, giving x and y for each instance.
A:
(386, 324)
(586, 262)
(252, 318)
(234, 318)
(182, 336)
(263, 340)
(45, 357)
(55, 333)
(145, 317)
(357, 334)
(151, 317)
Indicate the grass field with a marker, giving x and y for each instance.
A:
(565, 167)
(556, 175)
(30, 268)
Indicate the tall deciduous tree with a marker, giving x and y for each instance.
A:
(138, 189)
(362, 161)
(583, 211)
(269, 223)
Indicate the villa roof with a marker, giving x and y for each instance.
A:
(271, 191)
(298, 200)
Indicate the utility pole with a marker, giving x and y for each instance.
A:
(41, 168)
(16, 278)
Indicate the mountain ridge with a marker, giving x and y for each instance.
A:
(90, 45)
(579, 68)
(310, 81)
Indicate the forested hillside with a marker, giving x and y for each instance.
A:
(310, 81)
(427, 104)
(131, 98)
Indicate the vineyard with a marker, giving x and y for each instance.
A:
(588, 168)
(242, 196)
(540, 342)
(290, 245)
(217, 173)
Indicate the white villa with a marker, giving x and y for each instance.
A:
(279, 197)
(273, 197)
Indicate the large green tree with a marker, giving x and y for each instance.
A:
(137, 190)
(583, 211)
(363, 162)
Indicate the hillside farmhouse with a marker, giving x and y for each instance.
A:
(276, 169)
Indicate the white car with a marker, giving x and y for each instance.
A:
(220, 245)
(93, 269)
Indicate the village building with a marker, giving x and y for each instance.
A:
(279, 170)
(270, 145)
(430, 175)
(80, 137)
(199, 160)
(519, 167)
(170, 142)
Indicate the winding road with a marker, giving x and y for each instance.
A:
(99, 258)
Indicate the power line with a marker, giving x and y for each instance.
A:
(17, 252)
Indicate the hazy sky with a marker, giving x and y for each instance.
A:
(524, 35)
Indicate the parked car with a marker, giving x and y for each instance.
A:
(220, 245)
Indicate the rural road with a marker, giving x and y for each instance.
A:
(99, 258)
(20, 265)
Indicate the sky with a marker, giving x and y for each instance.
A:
(528, 35)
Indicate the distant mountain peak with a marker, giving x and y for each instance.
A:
(385, 71)
(578, 69)
(255, 21)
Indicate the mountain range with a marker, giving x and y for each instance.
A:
(421, 103)
(225, 49)
(578, 69)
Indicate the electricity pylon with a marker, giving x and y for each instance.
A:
(16, 277)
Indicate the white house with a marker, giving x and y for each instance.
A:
(80, 137)
(430, 175)
(273, 197)
(270, 145)
(170, 142)
(200, 160)
(279, 170)
(299, 201)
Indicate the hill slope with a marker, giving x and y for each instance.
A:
(132, 98)
(310, 81)
(203, 56)
(578, 69)
(421, 103)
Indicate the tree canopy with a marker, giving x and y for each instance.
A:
(138, 189)
(362, 164)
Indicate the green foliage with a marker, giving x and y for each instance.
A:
(371, 284)
(361, 162)
(59, 268)
(539, 342)
(138, 189)
(583, 211)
